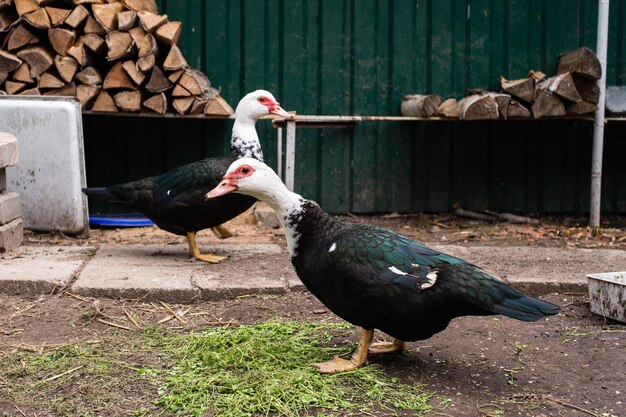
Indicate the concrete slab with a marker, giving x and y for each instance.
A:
(10, 207)
(40, 269)
(9, 151)
(11, 235)
(537, 271)
(159, 272)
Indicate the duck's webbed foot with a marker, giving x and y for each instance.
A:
(195, 252)
(359, 358)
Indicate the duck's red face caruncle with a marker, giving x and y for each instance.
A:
(273, 106)
(229, 183)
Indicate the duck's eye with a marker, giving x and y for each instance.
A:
(262, 99)
(245, 170)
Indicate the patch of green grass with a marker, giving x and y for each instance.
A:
(264, 369)
(260, 369)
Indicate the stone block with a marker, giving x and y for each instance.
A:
(11, 235)
(9, 152)
(10, 207)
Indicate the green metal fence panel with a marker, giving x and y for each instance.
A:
(360, 57)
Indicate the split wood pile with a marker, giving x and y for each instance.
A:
(112, 55)
(571, 91)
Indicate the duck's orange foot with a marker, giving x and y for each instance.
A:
(335, 365)
(386, 347)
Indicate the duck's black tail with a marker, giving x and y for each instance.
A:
(525, 308)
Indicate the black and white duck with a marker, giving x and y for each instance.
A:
(373, 277)
(175, 201)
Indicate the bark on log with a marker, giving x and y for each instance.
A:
(582, 62)
(522, 89)
(562, 85)
(477, 107)
(417, 105)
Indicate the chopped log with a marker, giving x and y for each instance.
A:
(14, 87)
(417, 105)
(89, 76)
(148, 46)
(86, 94)
(582, 62)
(78, 53)
(198, 105)
(106, 14)
(31, 92)
(22, 73)
(141, 5)
(25, 6)
(217, 106)
(478, 107)
(8, 16)
(449, 108)
(522, 89)
(157, 103)
(146, 63)
(39, 19)
(195, 82)
(517, 111)
(547, 104)
(580, 107)
(175, 60)
(133, 72)
(76, 17)
(562, 85)
(117, 78)
(502, 102)
(20, 36)
(150, 22)
(513, 218)
(66, 67)
(472, 214)
(536, 75)
(119, 44)
(67, 91)
(588, 89)
(61, 39)
(169, 33)
(126, 20)
(93, 26)
(180, 91)
(57, 16)
(3, 76)
(128, 101)
(183, 105)
(48, 80)
(5, 3)
(93, 42)
(8, 61)
(175, 76)
(158, 81)
(104, 103)
(90, 1)
(137, 33)
(39, 59)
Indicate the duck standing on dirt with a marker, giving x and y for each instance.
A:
(375, 278)
(175, 201)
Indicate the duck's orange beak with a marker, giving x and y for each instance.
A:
(227, 185)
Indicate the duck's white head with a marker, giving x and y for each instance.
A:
(252, 177)
(257, 104)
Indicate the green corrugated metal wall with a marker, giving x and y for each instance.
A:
(360, 57)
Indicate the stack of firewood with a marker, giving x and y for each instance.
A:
(572, 91)
(113, 55)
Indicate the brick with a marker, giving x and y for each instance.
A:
(10, 207)
(9, 152)
(11, 235)
(3, 179)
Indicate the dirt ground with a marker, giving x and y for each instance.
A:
(573, 364)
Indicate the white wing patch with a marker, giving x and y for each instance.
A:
(432, 279)
(332, 247)
(168, 192)
(396, 270)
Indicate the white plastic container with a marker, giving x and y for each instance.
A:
(51, 169)
(607, 294)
